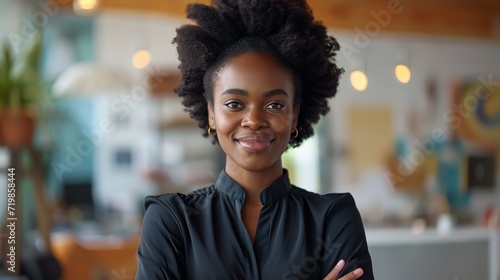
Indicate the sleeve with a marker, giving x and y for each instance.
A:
(160, 252)
(345, 239)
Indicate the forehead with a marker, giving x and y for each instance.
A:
(255, 70)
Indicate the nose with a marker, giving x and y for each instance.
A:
(255, 119)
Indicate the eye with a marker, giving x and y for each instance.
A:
(275, 106)
(233, 105)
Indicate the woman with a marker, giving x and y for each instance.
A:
(256, 75)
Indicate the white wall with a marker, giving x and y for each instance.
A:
(120, 34)
(445, 59)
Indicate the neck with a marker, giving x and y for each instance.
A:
(253, 182)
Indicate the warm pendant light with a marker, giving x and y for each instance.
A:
(403, 73)
(359, 81)
(358, 78)
(141, 59)
(402, 69)
(85, 5)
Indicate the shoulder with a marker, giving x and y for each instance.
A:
(343, 213)
(331, 206)
(341, 201)
(178, 204)
(173, 197)
(330, 200)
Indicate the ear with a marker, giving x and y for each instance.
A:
(210, 110)
(296, 111)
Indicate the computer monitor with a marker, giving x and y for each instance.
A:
(78, 196)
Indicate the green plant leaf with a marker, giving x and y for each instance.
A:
(20, 78)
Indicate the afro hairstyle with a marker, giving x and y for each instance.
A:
(283, 29)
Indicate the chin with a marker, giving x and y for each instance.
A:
(257, 165)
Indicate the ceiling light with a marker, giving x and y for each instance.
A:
(86, 79)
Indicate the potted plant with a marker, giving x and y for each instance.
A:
(20, 91)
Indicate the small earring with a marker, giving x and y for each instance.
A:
(295, 133)
(210, 131)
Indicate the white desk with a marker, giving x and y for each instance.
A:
(461, 254)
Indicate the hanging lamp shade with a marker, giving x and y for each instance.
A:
(86, 79)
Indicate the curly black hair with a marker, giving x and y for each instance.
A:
(284, 29)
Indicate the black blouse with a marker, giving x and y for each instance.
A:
(300, 235)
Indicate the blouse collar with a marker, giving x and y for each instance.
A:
(231, 188)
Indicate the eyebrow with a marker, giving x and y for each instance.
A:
(244, 92)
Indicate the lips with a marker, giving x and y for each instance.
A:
(254, 143)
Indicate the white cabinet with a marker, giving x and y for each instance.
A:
(461, 254)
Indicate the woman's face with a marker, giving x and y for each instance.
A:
(253, 112)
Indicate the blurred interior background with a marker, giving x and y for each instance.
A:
(89, 120)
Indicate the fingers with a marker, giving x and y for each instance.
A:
(335, 271)
(338, 268)
(353, 274)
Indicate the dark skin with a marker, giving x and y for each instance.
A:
(255, 114)
(250, 216)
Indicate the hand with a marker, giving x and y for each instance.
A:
(336, 270)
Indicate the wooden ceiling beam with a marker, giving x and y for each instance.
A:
(423, 17)
(469, 18)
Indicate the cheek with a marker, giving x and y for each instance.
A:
(283, 123)
(224, 123)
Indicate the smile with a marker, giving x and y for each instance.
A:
(254, 143)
